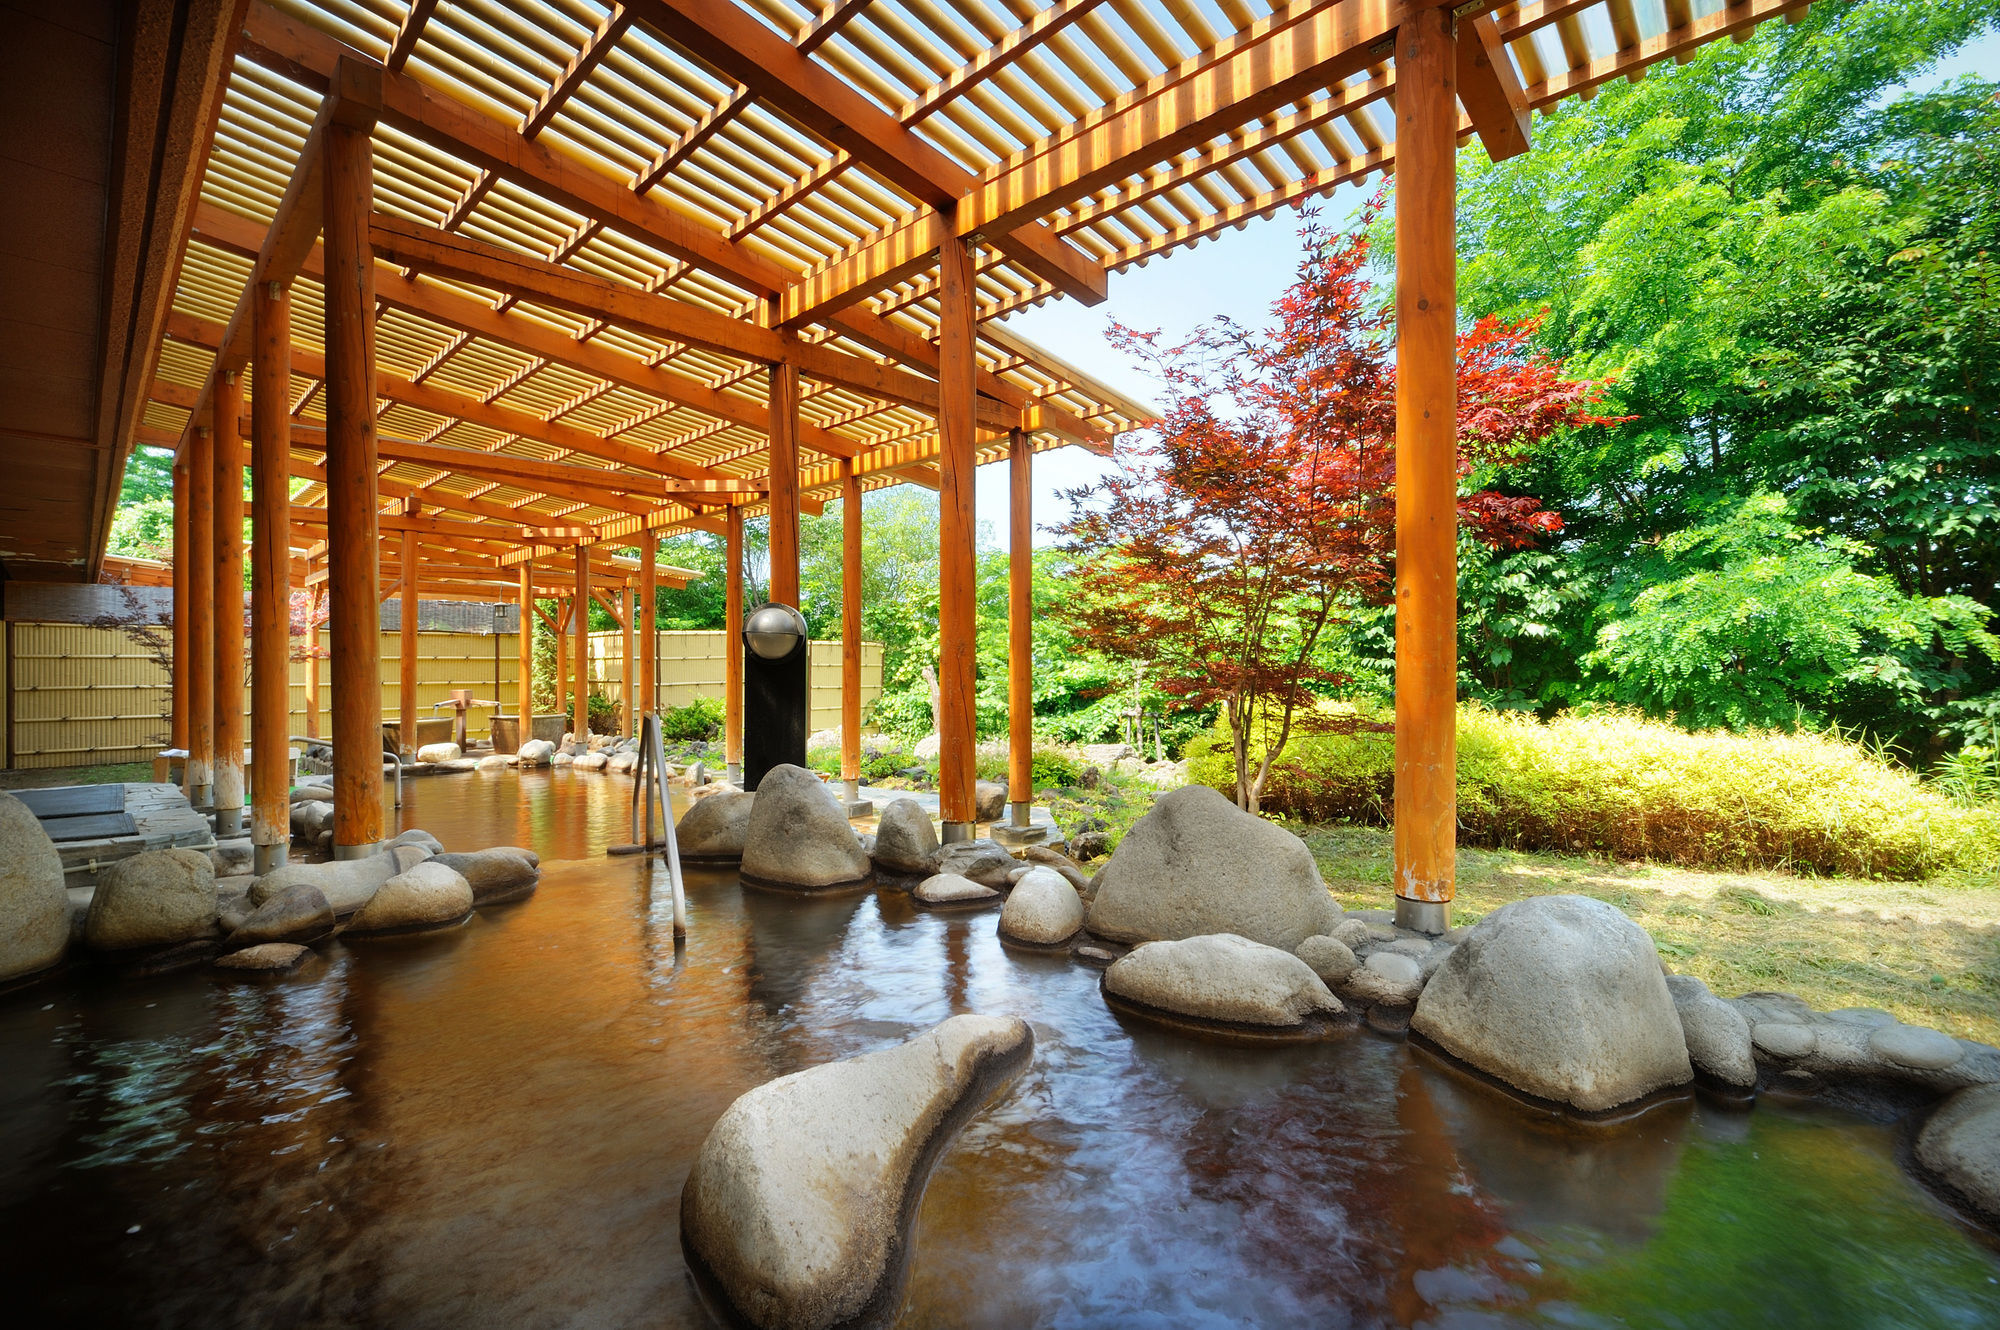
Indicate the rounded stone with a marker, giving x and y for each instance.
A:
(496, 762)
(984, 861)
(496, 873)
(157, 898)
(1561, 997)
(1717, 1034)
(905, 839)
(535, 752)
(714, 827)
(1385, 978)
(299, 913)
(951, 889)
(591, 762)
(799, 836)
(989, 800)
(1042, 910)
(1960, 1147)
(1915, 1046)
(1330, 958)
(440, 753)
(428, 895)
(1783, 1039)
(34, 906)
(1221, 978)
(348, 884)
(265, 958)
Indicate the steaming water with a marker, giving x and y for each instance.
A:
(491, 1128)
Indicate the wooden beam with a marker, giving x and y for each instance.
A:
(409, 33)
(732, 41)
(958, 644)
(1732, 20)
(1426, 820)
(1490, 91)
(579, 69)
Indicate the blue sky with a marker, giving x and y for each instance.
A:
(1238, 274)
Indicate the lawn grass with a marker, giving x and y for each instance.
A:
(1928, 951)
(38, 778)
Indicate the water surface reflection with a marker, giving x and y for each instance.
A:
(492, 1127)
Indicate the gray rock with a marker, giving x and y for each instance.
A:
(867, 839)
(592, 762)
(265, 958)
(622, 762)
(1915, 1046)
(714, 827)
(1783, 1039)
(796, 1213)
(310, 818)
(422, 839)
(951, 889)
(1960, 1147)
(231, 908)
(1043, 910)
(1088, 845)
(233, 857)
(905, 839)
(799, 835)
(446, 752)
(1330, 958)
(1197, 864)
(496, 762)
(299, 913)
(985, 862)
(1221, 978)
(1386, 979)
(1354, 932)
(535, 753)
(1718, 1037)
(427, 895)
(312, 792)
(1561, 997)
(1104, 755)
(347, 883)
(1868, 1016)
(157, 898)
(989, 800)
(34, 905)
(497, 873)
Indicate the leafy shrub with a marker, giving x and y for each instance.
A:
(699, 719)
(602, 714)
(1617, 784)
(1053, 767)
(825, 759)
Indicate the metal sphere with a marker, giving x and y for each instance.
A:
(774, 631)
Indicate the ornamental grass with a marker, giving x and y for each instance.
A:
(1620, 785)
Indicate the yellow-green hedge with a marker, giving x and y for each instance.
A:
(1618, 784)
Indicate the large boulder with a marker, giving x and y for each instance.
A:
(984, 861)
(905, 840)
(157, 898)
(1718, 1036)
(1960, 1148)
(535, 753)
(446, 752)
(497, 873)
(34, 907)
(427, 895)
(989, 800)
(348, 884)
(1043, 910)
(714, 828)
(1197, 864)
(799, 835)
(797, 1211)
(1221, 979)
(299, 913)
(1561, 997)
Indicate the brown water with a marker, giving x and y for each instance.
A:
(491, 1128)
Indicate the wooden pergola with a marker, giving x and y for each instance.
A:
(504, 284)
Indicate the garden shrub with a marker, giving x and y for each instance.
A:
(1616, 784)
(699, 719)
(1053, 768)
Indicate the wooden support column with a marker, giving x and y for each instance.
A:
(1020, 641)
(199, 773)
(524, 708)
(732, 644)
(563, 608)
(581, 625)
(177, 735)
(229, 654)
(312, 660)
(406, 656)
(784, 543)
(628, 679)
(351, 497)
(647, 614)
(1426, 471)
(270, 575)
(957, 628)
(850, 639)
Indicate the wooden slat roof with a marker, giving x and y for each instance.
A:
(780, 166)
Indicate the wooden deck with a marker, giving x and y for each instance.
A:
(158, 817)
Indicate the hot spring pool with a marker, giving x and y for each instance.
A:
(491, 1127)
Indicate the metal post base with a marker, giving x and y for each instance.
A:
(203, 799)
(268, 858)
(1431, 917)
(855, 805)
(956, 833)
(228, 823)
(368, 851)
(733, 772)
(1016, 830)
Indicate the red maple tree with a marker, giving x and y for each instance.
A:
(1262, 509)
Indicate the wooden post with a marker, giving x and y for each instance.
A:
(199, 774)
(177, 736)
(270, 576)
(628, 679)
(352, 530)
(318, 596)
(524, 707)
(229, 662)
(563, 609)
(647, 614)
(581, 699)
(784, 543)
(406, 688)
(1426, 471)
(732, 644)
(1020, 633)
(957, 632)
(850, 639)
